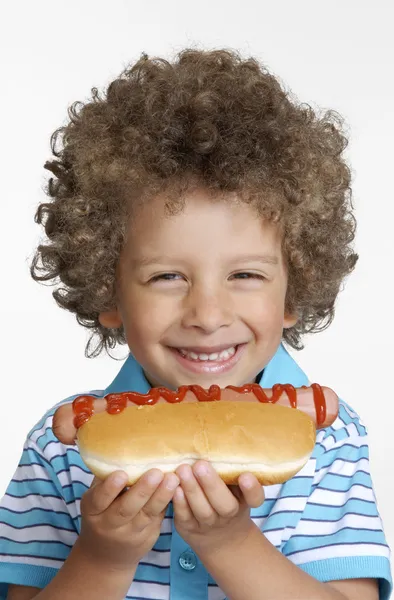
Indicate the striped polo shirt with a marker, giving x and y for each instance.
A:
(325, 519)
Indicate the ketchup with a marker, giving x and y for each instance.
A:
(83, 409)
(116, 403)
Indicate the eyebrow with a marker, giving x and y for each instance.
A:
(165, 260)
(266, 258)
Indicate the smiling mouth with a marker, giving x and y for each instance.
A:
(217, 356)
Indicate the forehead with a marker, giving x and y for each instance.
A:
(203, 220)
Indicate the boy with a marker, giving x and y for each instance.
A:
(202, 217)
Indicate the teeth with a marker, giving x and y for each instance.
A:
(219, 356)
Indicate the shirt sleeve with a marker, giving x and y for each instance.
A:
(38, 513)
(340, 534)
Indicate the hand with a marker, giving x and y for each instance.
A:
(208, 514)
(118, 529)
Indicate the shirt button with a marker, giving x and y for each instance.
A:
(188, 560)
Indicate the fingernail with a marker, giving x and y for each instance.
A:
(155, 477)
(179, 494)
(201, 469)
(184, 472)
(247, 481)
(120, 479)
(172, 482)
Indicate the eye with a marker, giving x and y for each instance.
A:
(165, 277)
(247, 275)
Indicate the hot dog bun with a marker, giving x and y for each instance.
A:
(271, 441)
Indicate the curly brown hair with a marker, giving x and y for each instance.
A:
(207, 116)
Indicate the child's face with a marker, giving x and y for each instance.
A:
(208, 279)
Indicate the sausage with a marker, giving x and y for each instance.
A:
(319, 402)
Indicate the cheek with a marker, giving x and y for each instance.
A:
(145, 318)
(265, 311)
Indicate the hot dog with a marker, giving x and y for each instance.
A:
(236, 428)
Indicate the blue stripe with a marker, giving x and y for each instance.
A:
(45, 488)
(350, 461)
(346, 451)
(24, 526)
(344, 482)
(34, 514)
(59, 550)
(163, 543)
(359, 472)
(47, 431)
(353, 506)
(152, 573)
(37, 542)
(26, 460)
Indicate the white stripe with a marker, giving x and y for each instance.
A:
(166, 525)
(37, 501)
(78, 474)
(342, 467)
(354, 440)
(329, 442)
(275, 537)
(32, 471)
(338, 424)
(43, 533)
(259, 521)
(149, 590)
(290, 504)
(307, 470)
(334, 498)
(159, 559)
(353, 431)
(67, 477)
(271, 492)
(326, 442)
(41, 431)
(53, 448)
(35, 471)
(28, 560)
(322, 434)
(344, 550)
(326, 527)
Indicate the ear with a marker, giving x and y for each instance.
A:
(289, 321)
(110, 319)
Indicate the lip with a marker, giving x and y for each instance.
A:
(210, 366)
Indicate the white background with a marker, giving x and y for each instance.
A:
(334, 54)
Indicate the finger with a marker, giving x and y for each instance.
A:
(216, 491)
(251, 489)
(182, 510)
(197, 500)
(102, 494)
(162, 496)
(129, 504)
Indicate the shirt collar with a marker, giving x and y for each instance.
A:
(282, 368)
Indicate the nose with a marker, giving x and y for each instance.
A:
(207, 309)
